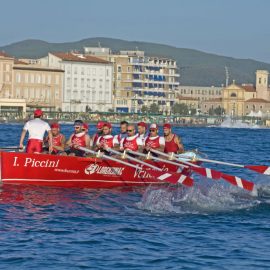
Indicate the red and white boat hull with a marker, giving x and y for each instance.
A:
(63, 171)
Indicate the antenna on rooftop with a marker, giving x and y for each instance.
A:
(227, 76)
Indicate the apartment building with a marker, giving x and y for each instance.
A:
(87, 83)
(41, 87)
(140, 80)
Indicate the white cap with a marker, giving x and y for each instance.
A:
(154, 126)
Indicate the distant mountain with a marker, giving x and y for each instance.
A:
(195, 67)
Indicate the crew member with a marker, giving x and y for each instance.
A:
(107, 140)
(123, 132)
(132, 141)
(154, 141)
(99, 132)
(36, 129)
(58, 140)
(173, 143)
(78, 139)
(142, 130)
(85, 128)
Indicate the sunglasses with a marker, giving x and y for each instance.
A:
(152, 130)
(77, 127)
(130, 130)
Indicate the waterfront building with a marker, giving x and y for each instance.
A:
(41, 87)
(241, 100)
(140, 80)
(30, 84)
(87, 82)
(200, 93)
(6, 75)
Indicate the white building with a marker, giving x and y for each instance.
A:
(88, 81)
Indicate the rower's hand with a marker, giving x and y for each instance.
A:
(21, 146)
(147, 148)
(121, 149)
(50, 149)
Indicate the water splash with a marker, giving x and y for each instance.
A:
(230, 123)
(201, 199)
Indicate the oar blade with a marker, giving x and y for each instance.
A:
(259, 168)
(209, 173)
(239, 182)
(173, 178)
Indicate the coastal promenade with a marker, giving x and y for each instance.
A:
(115, 118)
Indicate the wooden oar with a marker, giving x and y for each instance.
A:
(157, 173)
(257, 168)
(213, 174)
(12, 149)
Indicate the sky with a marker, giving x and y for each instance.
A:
(236, 28)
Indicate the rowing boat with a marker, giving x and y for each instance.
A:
(81, 172)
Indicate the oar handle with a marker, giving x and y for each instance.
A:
(220, 162)
(135, 159)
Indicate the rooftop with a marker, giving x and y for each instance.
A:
(79, 58)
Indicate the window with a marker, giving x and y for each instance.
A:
(260, 80)
(82, 83)
(68, 82)
(18, 77)
(75, 82)
(82, 70)
(119, 69)
(233, 94)
(75, 70)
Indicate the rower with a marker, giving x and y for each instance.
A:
(85, 128)
(99, 132)
(173, 142)
(107, 140)
(142, 130)
(123, 132)
(77, 139)
(36, 129)
(154, 141)
(58, 140)
(132, 141)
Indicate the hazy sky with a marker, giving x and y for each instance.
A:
(237, 28)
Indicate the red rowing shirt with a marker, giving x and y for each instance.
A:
(154, 142)
(106, 139)
(131, 143)
(79, 139)
(171, 146)
(95, 139)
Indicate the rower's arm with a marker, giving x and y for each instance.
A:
(22, 137)
(87, 141)
(178, 141)
(50, 140)
(62, 146)
(68, 143)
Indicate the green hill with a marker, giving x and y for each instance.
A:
(195, 67)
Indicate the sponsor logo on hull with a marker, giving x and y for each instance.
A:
(105, 170)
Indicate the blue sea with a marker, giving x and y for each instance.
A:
(211, 226)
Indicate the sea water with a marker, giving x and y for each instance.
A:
(211, 226)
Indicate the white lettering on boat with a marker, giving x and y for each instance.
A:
(142, 174)
(15, 164)
(95, 168)
(34, 163)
